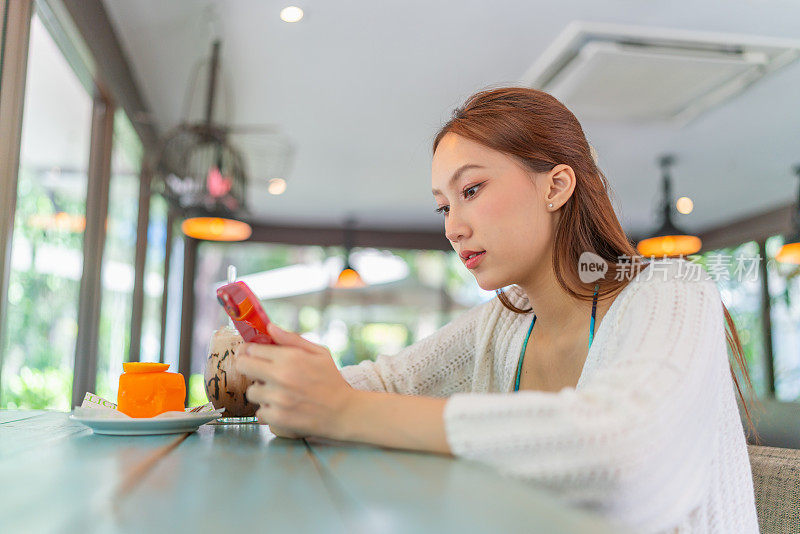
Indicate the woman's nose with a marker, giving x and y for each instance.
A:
(455, 228)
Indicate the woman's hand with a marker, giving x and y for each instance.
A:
(298, 387)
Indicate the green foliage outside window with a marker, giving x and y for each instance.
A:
(41, 323)
(740, 286)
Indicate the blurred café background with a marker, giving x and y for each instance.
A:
(146, 146)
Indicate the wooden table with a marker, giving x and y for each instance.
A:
(57, 476)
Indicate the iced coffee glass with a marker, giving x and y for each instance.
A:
(225, 386)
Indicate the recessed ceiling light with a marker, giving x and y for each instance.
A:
(684, 205)
(291, 14)
(276, 186)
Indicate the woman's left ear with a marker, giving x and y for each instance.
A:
(560, 185)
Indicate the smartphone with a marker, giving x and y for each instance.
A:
(245, 310)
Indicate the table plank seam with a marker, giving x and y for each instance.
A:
(139, 472)
(339, 495)
(24, 418)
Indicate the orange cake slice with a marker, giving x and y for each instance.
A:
(146, 390)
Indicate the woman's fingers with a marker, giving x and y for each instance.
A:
(267, 352)
(255, 368)
(297, 385)
(282, 433)
(260, 370)
(263, 415)
(270, 395)
(290, 339)
(257, 393)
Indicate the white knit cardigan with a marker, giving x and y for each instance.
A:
(650, 437)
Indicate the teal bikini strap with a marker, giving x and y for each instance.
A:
(530, 329)
(594, 311)
(522, 354)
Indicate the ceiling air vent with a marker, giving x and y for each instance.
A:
(616, 72)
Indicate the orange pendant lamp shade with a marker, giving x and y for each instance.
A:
(202, 173)
(669, 245)
(790, 251)
(349, 278)
(668, 240)
(216, 229)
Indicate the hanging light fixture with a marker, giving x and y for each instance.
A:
(790, 251)
(668, 240)
(216, 229)
(204, 175)
(349, 277)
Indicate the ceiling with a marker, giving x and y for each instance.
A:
(361, 87)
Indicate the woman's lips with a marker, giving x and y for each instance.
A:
(473, 262)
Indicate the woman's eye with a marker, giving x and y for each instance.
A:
(470, 191)
(467, 194)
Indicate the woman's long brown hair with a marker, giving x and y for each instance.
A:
(540, 132)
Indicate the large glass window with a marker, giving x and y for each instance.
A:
(413, 293)
(784, 288)
(118, 257)
(736, 272)
(154, 280)
(46, 255)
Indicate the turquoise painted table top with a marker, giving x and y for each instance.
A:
(57, 476)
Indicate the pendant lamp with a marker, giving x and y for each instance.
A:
(668, 240)
(203, 175)
(349, 277)
(790, 251)
(216, 229)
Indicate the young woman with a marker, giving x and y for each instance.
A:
(614, 392)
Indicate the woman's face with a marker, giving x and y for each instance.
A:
(493, 205)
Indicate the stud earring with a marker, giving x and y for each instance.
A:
(550, 205)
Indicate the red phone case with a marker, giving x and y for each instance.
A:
(245, 310)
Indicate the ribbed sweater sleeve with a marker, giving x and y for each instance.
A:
(634, 440)
(437, 366)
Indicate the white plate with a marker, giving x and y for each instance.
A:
(116, 426)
